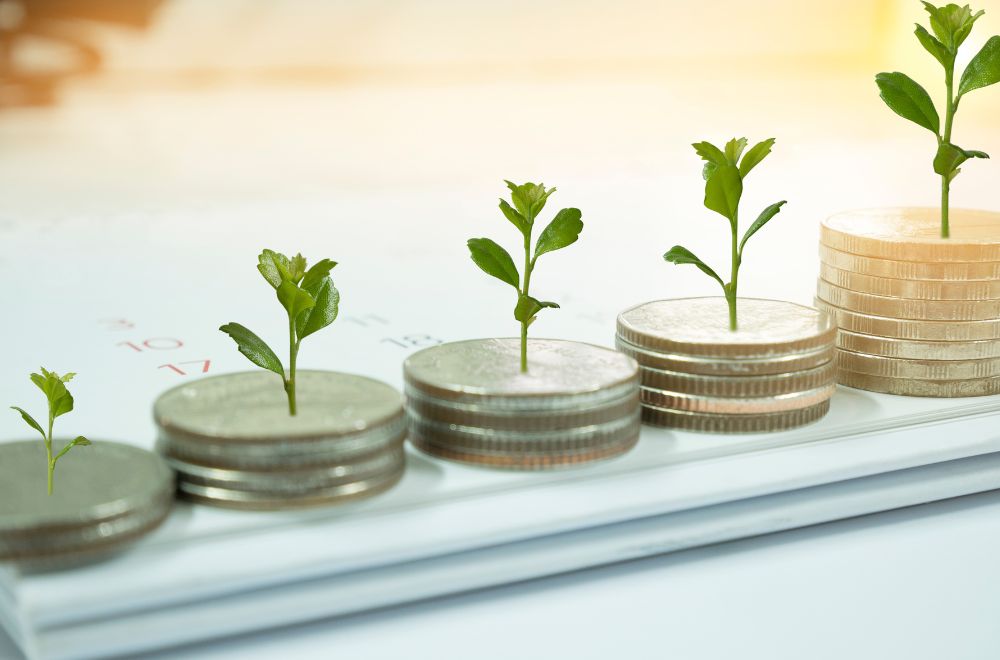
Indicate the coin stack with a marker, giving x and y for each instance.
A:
(775, 372)
(233, 443)
(469, 401)
(919, 314)
(106, 496)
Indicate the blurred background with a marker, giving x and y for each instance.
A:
(137, 106)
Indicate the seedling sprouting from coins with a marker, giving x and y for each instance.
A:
(529, 200)
(951, 25)
(310, 301)
(60, 402)
(724, 172)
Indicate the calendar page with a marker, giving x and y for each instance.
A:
(128, 285)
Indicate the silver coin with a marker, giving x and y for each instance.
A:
(918, 387)
(739, 386)
(241, 420)
(905, 308)
(911, 289)
(105, 496)
(700, 327)
(956, 271)
(878, 365)
(883, 326)
(487, 372)
(736, 406)
(724, 423)
(920, 350)
(727, 367)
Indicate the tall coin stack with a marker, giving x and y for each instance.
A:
(233, 443)
(918, 314)
(775, 372)
(469, 401)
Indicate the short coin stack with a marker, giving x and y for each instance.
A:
(775, 372)
(469, 401)
(919, 314)
(233, 444)
(106, 496)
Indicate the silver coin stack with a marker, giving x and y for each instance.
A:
(775, 372)
(106, 496)
(469, 401)
(233, 444)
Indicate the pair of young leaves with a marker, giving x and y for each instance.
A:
(564, 230)
(724, 172)
(60, 402)
(308, 297)
(951, 25)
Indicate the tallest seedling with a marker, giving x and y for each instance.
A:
(951, 25)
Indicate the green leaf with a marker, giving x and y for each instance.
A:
(564, 230)
(934, 47)
(274, 267)
(734, 149)
(254, 348)
(949, 157)
(681, 255)
(61, 403)
(315, 275)
(710, 153)
(761, 220)
(527, 307)
(30, 420)
(494, 260)
(723, 190)
(78, 441)
(757, 153)
(951, 23)
(294, 299)
(297, 268)
(983, 70)
(323, 313)
(529, 198)
(515, 218)
(908, 99)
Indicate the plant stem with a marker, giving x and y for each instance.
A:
(293, 353)
(48, 453)
(734, 274)
(528, 266)
(949, 117)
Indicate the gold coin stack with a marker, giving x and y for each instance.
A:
(918, 314)
(775, 372)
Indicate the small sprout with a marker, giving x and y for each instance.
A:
(60, 403)
(724, 172)
(529, 200)
(951, 25)
(310, 301)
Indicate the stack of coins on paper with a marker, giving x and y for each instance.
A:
(775, 372)
(918, 314)
(105, 496)
(469, 401)
(232, 442)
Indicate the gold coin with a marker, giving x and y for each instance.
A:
(920, 350)
(916, 387)
(912, 289)
(727, 367)
(700, 327)
(739, 386)
(912, 329)
(914, 234)
(878, 365)
(905, 308)
(910, 270)
(715, 423)
(736, 406)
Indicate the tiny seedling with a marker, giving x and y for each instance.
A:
(60, 403)
(951, 25)
(311, 302)
(529, 200)
(724, 172)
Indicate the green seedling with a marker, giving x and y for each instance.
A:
(951, 25)
(724, 172)
(60, 403)
(311, 302)
(528, 201)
